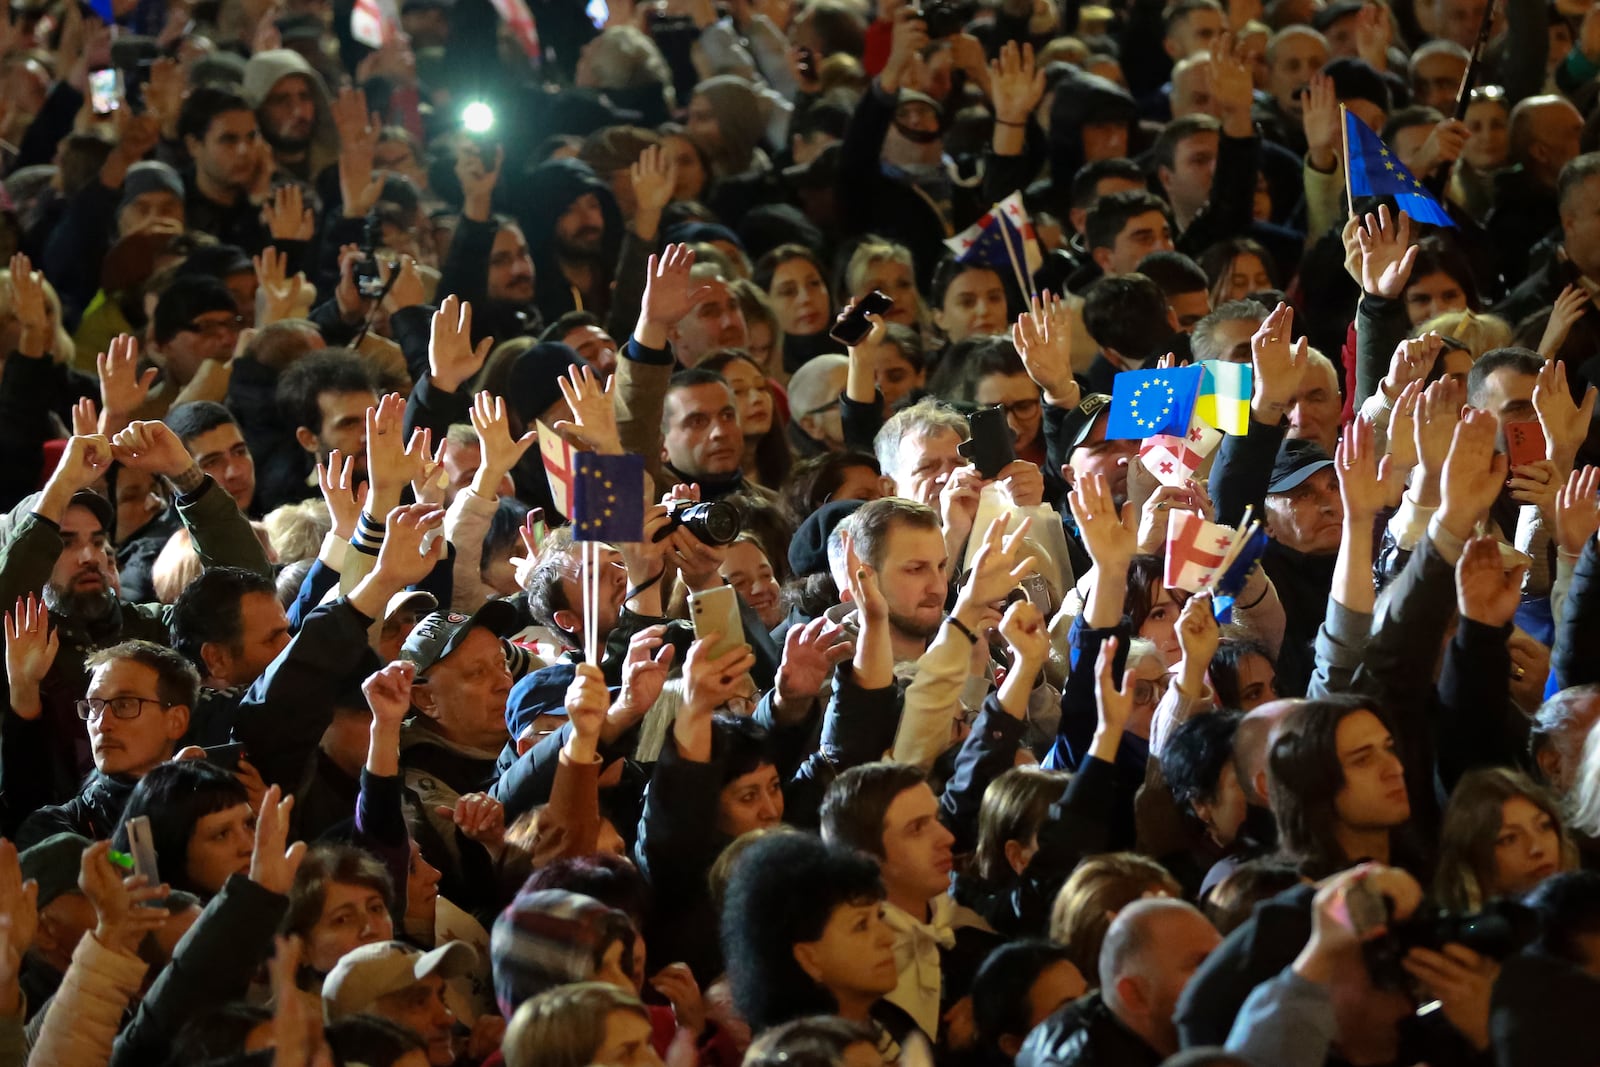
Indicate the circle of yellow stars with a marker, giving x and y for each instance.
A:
(1153, 385)
(611, 498)
(1390, 165)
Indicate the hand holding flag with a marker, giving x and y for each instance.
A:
(1372, 169)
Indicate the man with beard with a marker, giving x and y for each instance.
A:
(489, 265)
(219, 130)
(59, 541)
(325, 397)
(572, 220)
(291, 105)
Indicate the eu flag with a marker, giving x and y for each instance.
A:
(1376, 171)
(103, 9)
(1147, 402)
(608, 498)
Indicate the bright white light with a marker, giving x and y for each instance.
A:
(477, 117)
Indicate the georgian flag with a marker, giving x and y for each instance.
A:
(1198, 552)
(1173, 460)
(374, 22)
(519, 20)
(995, 238)
(558, 466)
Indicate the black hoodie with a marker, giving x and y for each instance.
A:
(538, 201)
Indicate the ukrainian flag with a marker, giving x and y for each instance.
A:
(1224, 400)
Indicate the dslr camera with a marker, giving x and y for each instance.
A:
(1502, 928)
(946, 18)
(713, 522)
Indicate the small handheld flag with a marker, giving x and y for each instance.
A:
(1149, 402)
(608, 498)
(1371, 169)
(558, 459)
(1224, 400)
(1197, 551)
(1003, 237)
(374, 22)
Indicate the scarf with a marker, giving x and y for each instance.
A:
(916, 956)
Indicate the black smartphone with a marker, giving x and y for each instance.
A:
(225, 756)
(807, 61)
(852, 327)
(991, 445)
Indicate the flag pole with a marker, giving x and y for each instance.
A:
(1344, 134)
(1016, 265)
(591, 596)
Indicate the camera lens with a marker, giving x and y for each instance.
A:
(713, 522)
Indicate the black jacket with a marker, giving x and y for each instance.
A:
(94, 812)
(1085, 1034)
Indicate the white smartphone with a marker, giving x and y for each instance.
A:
(716, 611)
(105, 90)
(142, 846)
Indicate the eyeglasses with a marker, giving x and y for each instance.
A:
(1150, 690)
(217, 327)
(91, 709)
(1021, 409)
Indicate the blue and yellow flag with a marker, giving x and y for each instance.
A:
(1377, 171)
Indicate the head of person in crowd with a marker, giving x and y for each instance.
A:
(65, 914)
(325, 396)
(624, 57)
(992, 374)
(579, 1024)
(1019, 986)
(1441, 281)
(819, 1041)
(767, 455)
(794, 281)
(803, 932)
(1473, 332)
(1014, 808)
(1337, 786)
(137, 706)
(1225, 333)
(1099, 179)
(1100, 887)
(84, 583)
(512, 275)
(1235, 896)
(219, 130)
(1190, 27)
(403, 984)
(889, 812)
(549, 937)
(1123, 228)
(1314, 411)
(1129, 317)
(1295, 55)
(1436, 71)
(152, 200)
(571, 220)
(1502, 836)
(1185, 285)
(701, 438)
(968, 299)
(196, 320)
(904, 544)
(340, 900)
(585, 334)
(1544, 133)
(763, 338)
(376, 1042)
(917, 450)
(916, 135)
(1197, 763)
(1489, 120)
(1568, 906)
(1189, 90)
(1304, 512)
(1151, 950)
(814, 393)
(1185, 157)
(291, 103)
(1243, 674)
(889, 269)
(1091, 118)
(1502, 381)
(715, 322)
(230, 625)
(1578, 198)
(211, 434)
(1236, 268)
(462, 682)
(200, 822)
(1557, 734)
(751, 574)
(691, 166)
(610, 152)
(727, 119)
(555, 588)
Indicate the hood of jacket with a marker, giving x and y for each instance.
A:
(265, 70)
(1083, 100)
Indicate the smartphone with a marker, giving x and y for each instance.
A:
(225, 756)
(806, 60)
(853, 327)
(1525, 443)
(142, 846)
(105, 90)
(1362, 910)
(716, 611)
(991, 446)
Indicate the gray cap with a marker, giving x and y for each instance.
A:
(150, 176)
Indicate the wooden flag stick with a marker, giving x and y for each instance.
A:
(1344, 134)
(1013, 256)
(591, 596)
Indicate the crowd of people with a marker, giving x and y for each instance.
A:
(328, 740)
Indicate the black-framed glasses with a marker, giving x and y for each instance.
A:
(1021, 409)
(218, 327)
(91, 709)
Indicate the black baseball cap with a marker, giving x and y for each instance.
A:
(442, 632)
(100, 506)
(1079, 422)
(1297, 460)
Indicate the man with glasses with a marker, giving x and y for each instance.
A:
(137, 708)
(193, 334)
(814, 399)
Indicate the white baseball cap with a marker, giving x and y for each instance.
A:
(364, 974)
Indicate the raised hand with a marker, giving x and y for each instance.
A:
(121, 919)
(478, 180)
(31, 308)
(1438, 412)
(19, 907)
(163, 95)
(1578, 511)
(708, 683)
(1279, 365)
(153, 447)
(286, 216)
(669, 295)
(644, 674)
(1485, 591)
(1198, 637)
(281, 293)
(1570, 306)
(31, 646)
(1112, 701)
(406, 290)
(1319, 113)
(344, 499)
(1027, 638)
(85, 461)
(810, 653)
(123, 387)
(388, 466)
(452, 357)
(1000, 563)
(1387, 253)
(1361, 474)
(1538, 484)
(1232, 86)
(479, 817)
(273, 860)
(654, 176)
(359, 184)
(1565, 423)
(1413, 358)
(958, 506)
(388, 693)
(85, 417)
(1109, 537)
(1473, 473)
(587, 703)
(297, 1036)
(401, 559)
(676, 982)
(1016, 85)
(501, 452)
(910, 38)
(1043, 338)
(594, 414)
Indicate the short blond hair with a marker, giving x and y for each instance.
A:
(565, 1026)
(1102, 886)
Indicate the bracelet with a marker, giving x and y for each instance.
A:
(1014, 125)
(959, 625)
